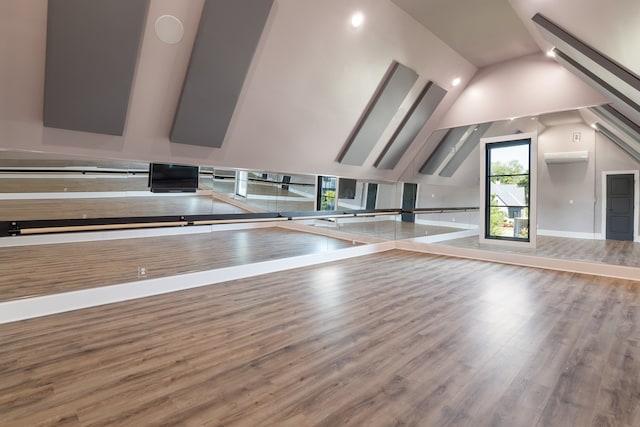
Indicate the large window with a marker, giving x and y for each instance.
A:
(507, 190)
(326, 196)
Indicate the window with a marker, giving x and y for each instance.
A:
(326, 196)
(507, 190)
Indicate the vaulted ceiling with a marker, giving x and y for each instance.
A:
(484, 32)
(310, 83)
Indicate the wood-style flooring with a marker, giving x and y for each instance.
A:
(614, 252)
(392, 230)
(390, 339)
(49, 269)
(16, 210)
(81, 184)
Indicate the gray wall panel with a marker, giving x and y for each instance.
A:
(227, 39)
(593, 63)
(383, 107)
(465, 149)
(92, 48)
(442, 150)
(411, 125)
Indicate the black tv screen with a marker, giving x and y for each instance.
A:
(347, 188)
(173, 178)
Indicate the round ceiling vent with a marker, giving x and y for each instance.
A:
(169, 29)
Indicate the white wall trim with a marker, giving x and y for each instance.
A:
(27, 308)
(436, 238)
(511, 258)
(636, 202)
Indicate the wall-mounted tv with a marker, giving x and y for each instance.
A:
(347, 188)
(165, 178)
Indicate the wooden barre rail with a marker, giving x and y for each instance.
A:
(72, 228)
(14, 228)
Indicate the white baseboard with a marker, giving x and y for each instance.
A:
(572, 266)
(445, 236)
(27, 308)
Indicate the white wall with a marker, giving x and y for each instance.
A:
(389, 195)
(580, 183)
(566, 191)
(526, 86)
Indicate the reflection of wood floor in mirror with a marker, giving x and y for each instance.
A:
(11, 210)
(390, 339)
(613, 252)
(28, 270)
(392, 230)
(60, 185)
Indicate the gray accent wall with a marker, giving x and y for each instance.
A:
(464, 150)
(420, 112)
(611, 75)
(227, 38)
(394, 88)
(442, 150)
(91, 54)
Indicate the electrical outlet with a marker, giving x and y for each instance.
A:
(142, 272)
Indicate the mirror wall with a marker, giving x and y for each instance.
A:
(574, 160)
(578, 152)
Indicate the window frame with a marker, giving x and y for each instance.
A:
(487, 200)
(485, 169)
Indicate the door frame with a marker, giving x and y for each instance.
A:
(636, 204)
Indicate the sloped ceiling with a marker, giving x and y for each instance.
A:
(310, 79)
(484, 32)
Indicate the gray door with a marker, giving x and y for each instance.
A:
(372, 195)
(409, 196)
(620, 207)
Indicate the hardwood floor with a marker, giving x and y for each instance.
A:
(395, 338)
(613, 252)
(393, 230)
(80, 184)
(12, 210)
(29, 271)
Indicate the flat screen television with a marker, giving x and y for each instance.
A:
(166, 178)
(347, 188)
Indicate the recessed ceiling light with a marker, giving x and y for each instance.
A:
(456, 81)
(357, 19)
(551, 53)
